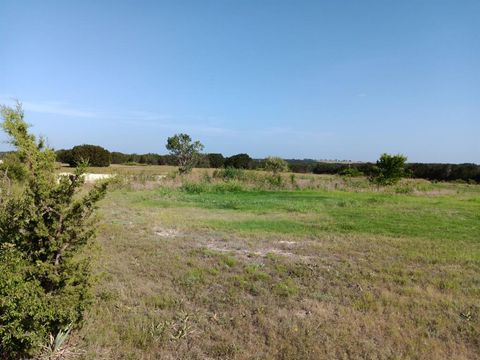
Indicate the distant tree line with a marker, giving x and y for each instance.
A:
(445, 172)
(430, 171)
(435, 172)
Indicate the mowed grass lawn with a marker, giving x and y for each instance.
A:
(220, 272)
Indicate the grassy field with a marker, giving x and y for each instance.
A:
(318, 267)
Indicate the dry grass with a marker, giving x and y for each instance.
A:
(175, 284)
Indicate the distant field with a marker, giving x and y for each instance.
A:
(127, 169)
(318, 268)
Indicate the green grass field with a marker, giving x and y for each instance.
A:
(334, 270)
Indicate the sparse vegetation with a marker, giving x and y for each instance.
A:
(314, 273)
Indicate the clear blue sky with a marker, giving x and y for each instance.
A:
(338, 79)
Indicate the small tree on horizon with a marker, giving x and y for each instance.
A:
(185, 151)
(94, 155)
(389, 169)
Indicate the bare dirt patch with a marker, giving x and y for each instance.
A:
(91, 178)
(165, 232)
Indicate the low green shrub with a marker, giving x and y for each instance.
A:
(24, 309)
(230, 173)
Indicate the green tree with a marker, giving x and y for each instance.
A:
(216, 160)
(46, 225)
(389, 169)
(239, 161)
(275, 164)
(202, 161)
(185, 151)
(118, 158)
(64, 156)
(92, 154)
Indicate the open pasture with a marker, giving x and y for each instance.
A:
(318, 268)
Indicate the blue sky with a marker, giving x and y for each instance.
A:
(339, 79)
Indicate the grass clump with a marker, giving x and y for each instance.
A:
(195, 188)
(286, 288)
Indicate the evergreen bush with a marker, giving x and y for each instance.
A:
(46, 226)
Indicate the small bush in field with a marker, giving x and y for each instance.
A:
(45, 228)
(230, 173)
(275, 180)
(275, 164)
